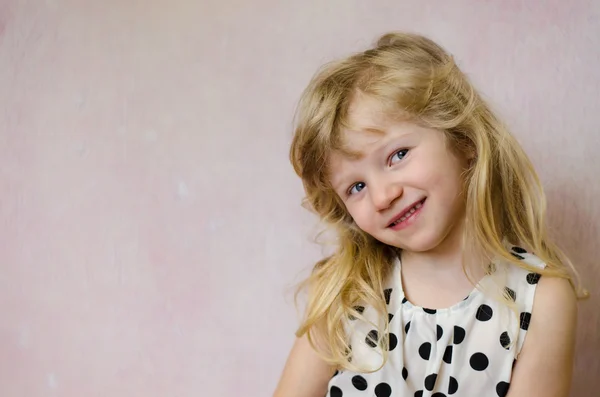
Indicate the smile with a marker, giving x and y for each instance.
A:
(406, 216)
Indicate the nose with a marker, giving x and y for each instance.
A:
(384, 193)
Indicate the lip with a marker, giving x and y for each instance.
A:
(404, 211)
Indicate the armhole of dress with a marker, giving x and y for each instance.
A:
(526, 307)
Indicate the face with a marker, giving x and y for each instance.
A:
(405, 186)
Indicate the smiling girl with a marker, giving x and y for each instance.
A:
(434, 288)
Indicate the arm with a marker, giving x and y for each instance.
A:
(545, 365)
(305, 374)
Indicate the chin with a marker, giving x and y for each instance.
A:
(416, 243)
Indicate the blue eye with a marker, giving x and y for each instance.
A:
(357, 187)
(398, 155)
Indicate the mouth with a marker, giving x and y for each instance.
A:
(406, 214)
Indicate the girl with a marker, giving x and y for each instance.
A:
(433, 289)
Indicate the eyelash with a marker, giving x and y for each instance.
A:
(398, 151)
(348, 192)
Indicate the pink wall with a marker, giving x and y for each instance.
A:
(151, 225)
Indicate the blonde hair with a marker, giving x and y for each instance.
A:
(411, 75)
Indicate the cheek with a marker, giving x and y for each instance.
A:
(361, 215)
(429, 176)
(449, 182)
(443, 177)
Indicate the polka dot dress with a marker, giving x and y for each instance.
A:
(468, 349)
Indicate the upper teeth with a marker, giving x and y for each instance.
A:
(408, 213)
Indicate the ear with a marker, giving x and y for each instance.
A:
(470, 152)
(462, 146)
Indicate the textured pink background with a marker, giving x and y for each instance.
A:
(151, 225)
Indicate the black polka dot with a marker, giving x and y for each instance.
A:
(440, 332)
(479, 361)
(359, 382)
(448, 355)
(533, 278)
(511, 294)
(383, 390)
(519, 250)
(393, 342)
(372, 338)
(517, 256)
(387, 293)
(425, 350)
(419, 393)
(390, 317)
(404, 373)
(505, 340)
(407, 327)
(453, 385)
(430, 311)
(335, 392)
(359, 309)
(502, 389)
(484, 313)
(335, 373)
(459, 334)
(438, 394)
(404, 300)
(430, 381)
(525, 319)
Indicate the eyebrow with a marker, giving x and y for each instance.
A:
(338, 187)
(358, 154)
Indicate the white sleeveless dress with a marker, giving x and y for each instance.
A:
(465, 350)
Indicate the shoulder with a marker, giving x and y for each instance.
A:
(538, 297)
(548, 322)
(554, 305)
(549, 348)
(550, 294)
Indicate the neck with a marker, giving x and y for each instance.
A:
(447, 257)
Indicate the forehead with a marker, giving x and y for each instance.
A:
(365, 113)
(367, 124)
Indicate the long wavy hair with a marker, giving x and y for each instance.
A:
(412, 75)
